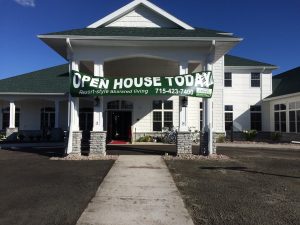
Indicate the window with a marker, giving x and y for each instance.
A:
(280, 117)
(5, 117)
(294, 115)
(162, 114)
(227, 80)
(119, 105)
(255, 79)
(86, 118)
(228, 117)
(47, 118)
(255, 117)
(201, 116)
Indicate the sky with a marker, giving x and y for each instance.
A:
(271, 29)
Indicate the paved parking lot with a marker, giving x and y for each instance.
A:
(257, 186)
(37, 191)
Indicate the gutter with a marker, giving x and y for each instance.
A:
(134, 38)
(281, 96)
(251, 67)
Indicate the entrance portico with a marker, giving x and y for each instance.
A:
(152, 44)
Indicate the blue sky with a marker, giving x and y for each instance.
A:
(271, 29)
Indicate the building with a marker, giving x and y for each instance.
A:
(283, 105)
(141, 39)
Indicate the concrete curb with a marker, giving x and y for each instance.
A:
(261, 146)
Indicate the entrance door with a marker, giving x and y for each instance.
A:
(119, 125)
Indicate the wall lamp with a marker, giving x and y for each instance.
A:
(184, 101)
(97, 101)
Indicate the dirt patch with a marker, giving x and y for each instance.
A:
(78, 157)
(254, 188)
(196, 157)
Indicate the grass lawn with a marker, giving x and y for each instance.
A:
(257, 187)
(36, 190)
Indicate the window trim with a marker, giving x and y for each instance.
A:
(280, 110)
(295, 109)
(162, 110)
(254, 73)
(226, 110)
(255, 109)
(225, 79)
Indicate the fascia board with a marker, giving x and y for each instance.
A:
(127, 8)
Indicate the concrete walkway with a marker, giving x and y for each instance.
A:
(137, 190)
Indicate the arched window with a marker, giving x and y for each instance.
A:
(47, 118)
(120, 105)
(86, 118)
(5, 117)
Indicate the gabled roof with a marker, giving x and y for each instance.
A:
(52, 80)
(141, 32)
(131, 6)
(56, 80)
(235, 61)
(286, 83)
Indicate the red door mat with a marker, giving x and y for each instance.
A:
(118, 142)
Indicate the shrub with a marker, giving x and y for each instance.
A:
(146, 138)
(276, 136)
(2, 137)
(249, 135)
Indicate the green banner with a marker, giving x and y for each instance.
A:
(195, 84)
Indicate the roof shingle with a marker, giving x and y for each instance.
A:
(286, 83)
(143, 32)
(50, 80)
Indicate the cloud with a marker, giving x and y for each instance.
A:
(26, 3)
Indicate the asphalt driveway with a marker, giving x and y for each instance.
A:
(36, 190)
(257, 186)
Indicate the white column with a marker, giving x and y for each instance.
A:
(56, 113)
(98, 108)
(183, 126)
(73, 113)
(208, 116)
(12, 115)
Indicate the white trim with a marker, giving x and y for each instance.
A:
(131, 6)
(135, 38)
(251, 67)
(280, 97)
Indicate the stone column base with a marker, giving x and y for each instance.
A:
(184, 143)
(76, 142)
(12, 134)
(98, 143)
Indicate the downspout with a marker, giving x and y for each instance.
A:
(263, 70)
(71, 105)
(261, 96)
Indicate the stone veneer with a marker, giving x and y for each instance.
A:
(184, 143)
(93, 142)
(76, 142)
(98, 142)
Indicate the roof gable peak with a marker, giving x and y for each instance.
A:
(109, 19)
